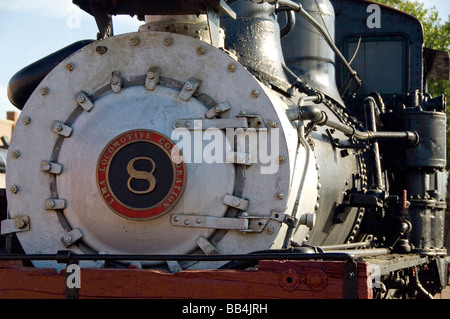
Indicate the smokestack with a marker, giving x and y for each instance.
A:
(306, 52)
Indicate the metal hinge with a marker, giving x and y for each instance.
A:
(204, 124)
(243, 223)
(253, 120)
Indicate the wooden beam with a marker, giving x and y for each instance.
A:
(272, 280)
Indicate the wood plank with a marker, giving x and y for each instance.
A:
(272, 280)
(18, 282)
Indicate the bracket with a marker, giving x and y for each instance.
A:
(15, 225)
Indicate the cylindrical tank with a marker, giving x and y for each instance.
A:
(306, 52)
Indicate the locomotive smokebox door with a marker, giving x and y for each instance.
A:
(139, 153)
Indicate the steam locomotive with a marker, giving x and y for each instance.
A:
(233, 128)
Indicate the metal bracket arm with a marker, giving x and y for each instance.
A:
(244, 223)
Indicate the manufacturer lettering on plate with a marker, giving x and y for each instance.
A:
(136, 176)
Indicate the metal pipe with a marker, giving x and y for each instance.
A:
(304, 113)
(369, 110)
(301, 113)
(345, 246)
(364, 252)
(67, 256)
(304, 143)
(290, 24)
(316, 116)
(297, 7)
(420, 287)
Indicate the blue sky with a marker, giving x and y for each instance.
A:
(32, 29)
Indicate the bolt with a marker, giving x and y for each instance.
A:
(80, 98)
(58, 127)
(187, 222)
(207, 248)
(168, 41)
(15, 154)
(280, 195)
(46, 167)
(176, 218)
(198, 220)
(188, 86)
(26, 120)
(50, 203)
(255, 93)
(101, 49)
(150, 75)
(114, 80)
(269, 230)
(235, 202)
(134, 41)
(14, 189)
(20, 223)
(67, 238)
(201, 50)
(44, 90)
(69, 66)
(272, 124)
(281, 159)
(231, 67)
(217, 109)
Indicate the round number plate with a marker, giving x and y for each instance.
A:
(137, 177)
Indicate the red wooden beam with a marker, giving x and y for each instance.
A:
(272, 280)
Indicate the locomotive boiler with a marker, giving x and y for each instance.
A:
(230, 127)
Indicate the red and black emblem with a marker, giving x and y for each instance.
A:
(136, 176)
